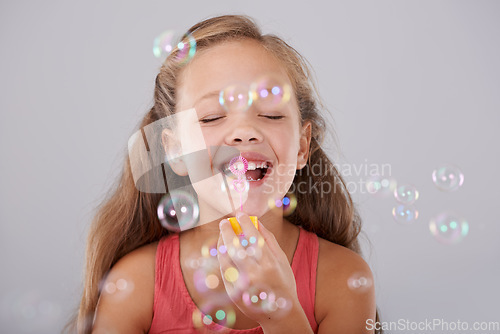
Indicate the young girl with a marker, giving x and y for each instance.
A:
(237, 120)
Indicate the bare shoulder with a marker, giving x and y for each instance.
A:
(126, 301)
(345, 295)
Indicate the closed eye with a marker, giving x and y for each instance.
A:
(211, 119)
(273, 117)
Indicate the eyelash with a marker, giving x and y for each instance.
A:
(274, 117)
(208, 120)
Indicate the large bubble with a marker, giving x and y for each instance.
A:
(178, 211)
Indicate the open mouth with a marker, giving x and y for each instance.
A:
(255, 171)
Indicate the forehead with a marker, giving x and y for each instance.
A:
(228, 63)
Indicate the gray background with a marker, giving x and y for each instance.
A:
(409, 83)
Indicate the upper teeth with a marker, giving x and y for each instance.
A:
(251, 165)
(254, 165)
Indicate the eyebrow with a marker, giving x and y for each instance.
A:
(207, 95)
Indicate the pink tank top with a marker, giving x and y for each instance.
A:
(173, 307)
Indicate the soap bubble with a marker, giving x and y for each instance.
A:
(206, 278)
(270, 93)
(380, 186)
(117, 289)
(359, 282)
(406, 194)
(186, 49)
(288, 203)
(235, 98)
(178, 211)
(448, 178)
(405, 214)
(214, 312)
(261, 298)
(209, 247)
(448, 228)
(164, 44)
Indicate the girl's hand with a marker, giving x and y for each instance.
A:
(256, 272)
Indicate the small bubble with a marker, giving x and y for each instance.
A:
(448, 228)
(235, 98)
(212, 281)
(212, 311)
(231, 274)
(359, 282)
(448, 177)
(405, 214)
(288, 204)
(163, 44)
(406, 194)
(270, 93)
(380, 186)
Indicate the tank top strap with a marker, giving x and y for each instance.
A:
(304, 265)
(169, 307)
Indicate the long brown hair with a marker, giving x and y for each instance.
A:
(128, 220)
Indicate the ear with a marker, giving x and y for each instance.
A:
(173, 152)
(304, 145)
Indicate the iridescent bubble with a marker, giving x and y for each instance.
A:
(178, 211)
(117, 289)
(270, 93)
(207, 274)
(186, 49)
(214, 312)
(209, 247)
(164, 44)
(231, 274)
(261, 298)
(288, 204)
(448, 178)
(380, 186)
(449, 228)
(359, 282)
(405, 214)
(235, 98)
(406, 194)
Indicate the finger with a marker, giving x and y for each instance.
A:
(270, 240)
(234, 248)
(247, 226)
(234, 280)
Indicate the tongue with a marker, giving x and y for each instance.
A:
(254, 174)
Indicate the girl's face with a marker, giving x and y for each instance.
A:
(269, 136)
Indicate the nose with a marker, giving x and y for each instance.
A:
(243, 132)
